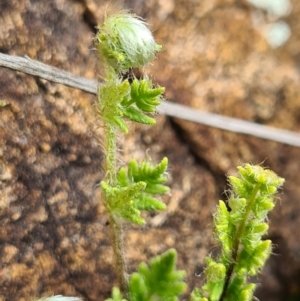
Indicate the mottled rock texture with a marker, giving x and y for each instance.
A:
(53, 235)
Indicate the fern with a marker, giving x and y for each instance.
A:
(124, 42)
(153, 176)
(138, 116)
(116, 295)
(135, 190)
(109, 97)
(118, 99)
(143, 99)
(160, 281)
(239, 230)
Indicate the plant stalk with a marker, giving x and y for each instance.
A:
(111, 157)
(116, 231)
(236, 243)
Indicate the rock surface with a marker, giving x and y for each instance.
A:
(53, 227)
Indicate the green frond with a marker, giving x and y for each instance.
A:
(215, 279)
(118, 122)
(238, 291)
(116, 295)
(159, 281)
(262, 206)
(196, 295)
(138, 289)
(151, 174)
(122, 202)
(145, 96)
(239, 229)
(256, 174)
(247, 293)
(138, 116)
(156, 188)
(222, 227)
(118, 99)
(254, 230)
(254, 258)
(240, 187)
(148, 203)
(135, 190)
(238, 209)
(122, 177)
(143, 99)
(110, 95)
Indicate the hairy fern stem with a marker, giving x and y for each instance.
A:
(116, 234)
(237, 242)
(111, 154)
(115, 227)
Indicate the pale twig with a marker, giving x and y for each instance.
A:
(230, 124)
(36, 68)
(29, 66)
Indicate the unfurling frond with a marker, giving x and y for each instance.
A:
(125, 42)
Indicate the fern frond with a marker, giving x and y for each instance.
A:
(116, 295)
(135, 190)
(143, 99)
(239, 230)
(121, 202)
(109, 106)
(145, 96)
(138, 116)
(154, 176)
(215, 276)
(159, 281)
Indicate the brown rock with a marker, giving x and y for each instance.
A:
(52, 239)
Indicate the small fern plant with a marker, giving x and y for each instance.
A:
(239, 227)
(124, 42)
